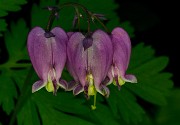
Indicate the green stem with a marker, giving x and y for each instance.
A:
(51, 20)
(83, 8)
(107, 30)
(22, 97)
(93, 107)
(78, 15)
(75, 5)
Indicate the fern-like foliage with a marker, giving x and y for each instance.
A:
(7, 6)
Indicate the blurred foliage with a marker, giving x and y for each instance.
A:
(121, 108)
(169, 114)
(5, 7)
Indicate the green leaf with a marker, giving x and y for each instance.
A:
(11, 5)
(15, 41)
(48, 112)
(124, 104)
(169, 114)
(3, 13)
(28, 114)
(152, 86)
(7, 92)
(5, 7)
(3, 26)
(0, 123)
(68, 107)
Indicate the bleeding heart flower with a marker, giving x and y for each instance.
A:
(47, 51)
(89, 60)
(121, 56)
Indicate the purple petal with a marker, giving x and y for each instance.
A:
(58, 45)
(37, 86)
(62, 83)
(105, 91)
(122, 49)
(40, 52)
(78, 89)
(100, 57)
(77, 58)
(106, 81)
(110, 76)
(130, 78)
(69, 34)
(71, 85)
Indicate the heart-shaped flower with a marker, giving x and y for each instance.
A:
(121, 56)
(89, 60)
(47, 51)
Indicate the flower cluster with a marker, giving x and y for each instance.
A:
(94, 60)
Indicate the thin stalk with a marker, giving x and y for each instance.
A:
(107, 30)
(51, 20)
(83, 8)
(93, 107)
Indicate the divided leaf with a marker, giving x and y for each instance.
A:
(15, 42)
(7, 92)
(124, 105)
(28, 114)
(153, 86)
(8, 5)
(65, 109)
(169, 114)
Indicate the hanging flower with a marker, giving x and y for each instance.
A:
(47, 51)
(121, 56)
(89, 59)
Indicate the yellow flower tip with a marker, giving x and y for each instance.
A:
(91, 87)
(91, 90)
(50, 87)
(93, 107)
(121, 81)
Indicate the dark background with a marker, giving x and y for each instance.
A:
(155, 24)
